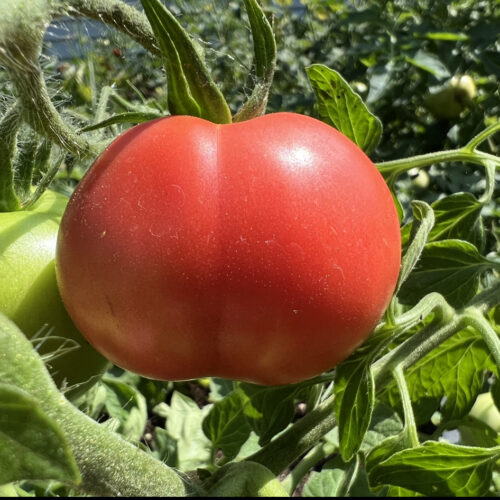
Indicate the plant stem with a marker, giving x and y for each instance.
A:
(304, 434)
(482, 136)
(318, 453)
(410, 425)
(109, 465)
(9, 126)
(121, 16)
(433, 302)
(396, 167)
(414, 349)
(38, 110)
(487, 299)
(477, 321)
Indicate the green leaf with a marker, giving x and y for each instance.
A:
(184, 426)
(191, 90)
(166, 447)
(126, 404)
(438, 469)
(474, 432)
(457, 216)
(220, 388)
(32, 446)
(386, 449)
(338, 479)
(423, 221)
(342, 108)
(430, 63)
(454, 369)
(265, 62)
(449, 267)
(127, 117)
(446, 36)
(226, 425)
(380, 77)
(355, 394)
(269, 409)
(385, 423)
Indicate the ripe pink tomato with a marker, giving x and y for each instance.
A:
(263, 251)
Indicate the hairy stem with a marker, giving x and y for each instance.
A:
(318, 453)
(396, 167)
(121, 16)
(477, 321)
(109, 465)
(9, 126)
(304, 434)
(410, 425)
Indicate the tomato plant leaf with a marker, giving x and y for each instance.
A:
(454, 369)
(354, 402)
(342, 108)
(474, 432)
(220, 388)
(191, 90)
(380, 77)
(265, 62)
(457, 216)
(430, 63)
(338, 479)
(423, 221)
(226, 425)
(127, 117)
(184, 426)
(32, 446)
(269, 409)
(446, 36)
(355, 393)
(126, 404)
(449, 267)
(385, 423)
(166, 447)
(438, 469)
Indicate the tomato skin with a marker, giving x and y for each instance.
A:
(264, 251)
(29, 295)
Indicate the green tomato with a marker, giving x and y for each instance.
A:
(450, 100)
(29, 295)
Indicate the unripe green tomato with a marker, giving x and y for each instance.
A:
(245, 479)
(449, 101)
(29, 295)
(419, 178)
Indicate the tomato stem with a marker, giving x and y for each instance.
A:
(482, 136)
(477, 321)
(301, 437)
(410, 427)
(8, 136)
(109, 465)
(312, 458)
(397, 167)
(121, 16)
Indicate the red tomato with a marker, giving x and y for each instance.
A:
(264, 251)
